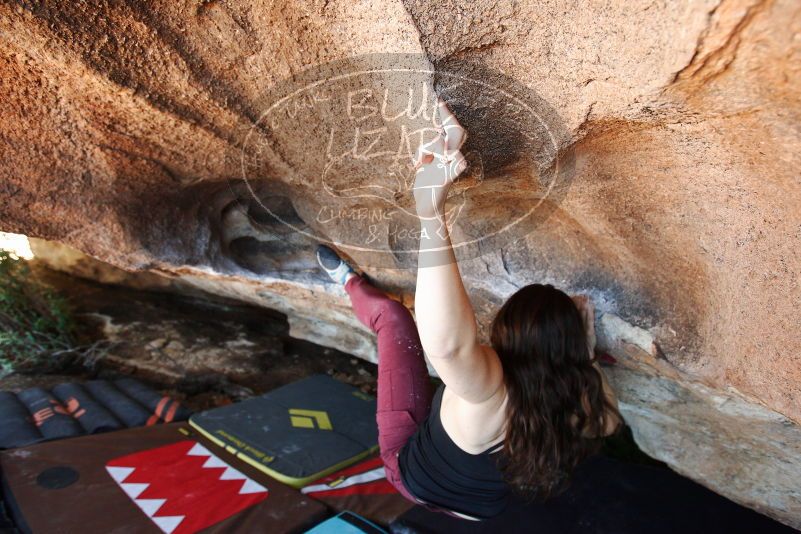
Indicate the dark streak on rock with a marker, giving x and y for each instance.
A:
(223, 94)
(504, 263)
(130, 155)
(83, 33)
(718, 61)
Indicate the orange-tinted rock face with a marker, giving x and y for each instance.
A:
(149, 138)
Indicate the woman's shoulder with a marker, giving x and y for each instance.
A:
(473, 427)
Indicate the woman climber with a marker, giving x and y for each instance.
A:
(518, 414)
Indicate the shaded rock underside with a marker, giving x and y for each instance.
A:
(128, 132)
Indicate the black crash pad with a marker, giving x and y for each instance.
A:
(299, 432)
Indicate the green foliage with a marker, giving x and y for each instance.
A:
(37, 331)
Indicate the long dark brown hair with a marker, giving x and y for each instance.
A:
(556, 408)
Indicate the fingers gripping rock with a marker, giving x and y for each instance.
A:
(455, 134)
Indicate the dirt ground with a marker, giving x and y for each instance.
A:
(206, 352)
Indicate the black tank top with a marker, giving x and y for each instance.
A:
(435, 470)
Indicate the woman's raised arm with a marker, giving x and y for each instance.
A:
(445, 318)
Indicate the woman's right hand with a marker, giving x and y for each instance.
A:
(438, 163)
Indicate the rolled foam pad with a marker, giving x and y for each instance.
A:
(16, 423)
(52, 419)
(89, 413)
(162, 409)
(126, 409)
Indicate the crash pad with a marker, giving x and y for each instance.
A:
(346, 523)
(74, 409)
(362, 488)
(162, 478)
(16, 423)
(297, 433)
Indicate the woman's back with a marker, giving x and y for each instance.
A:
(474, 426)
(438, 471)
